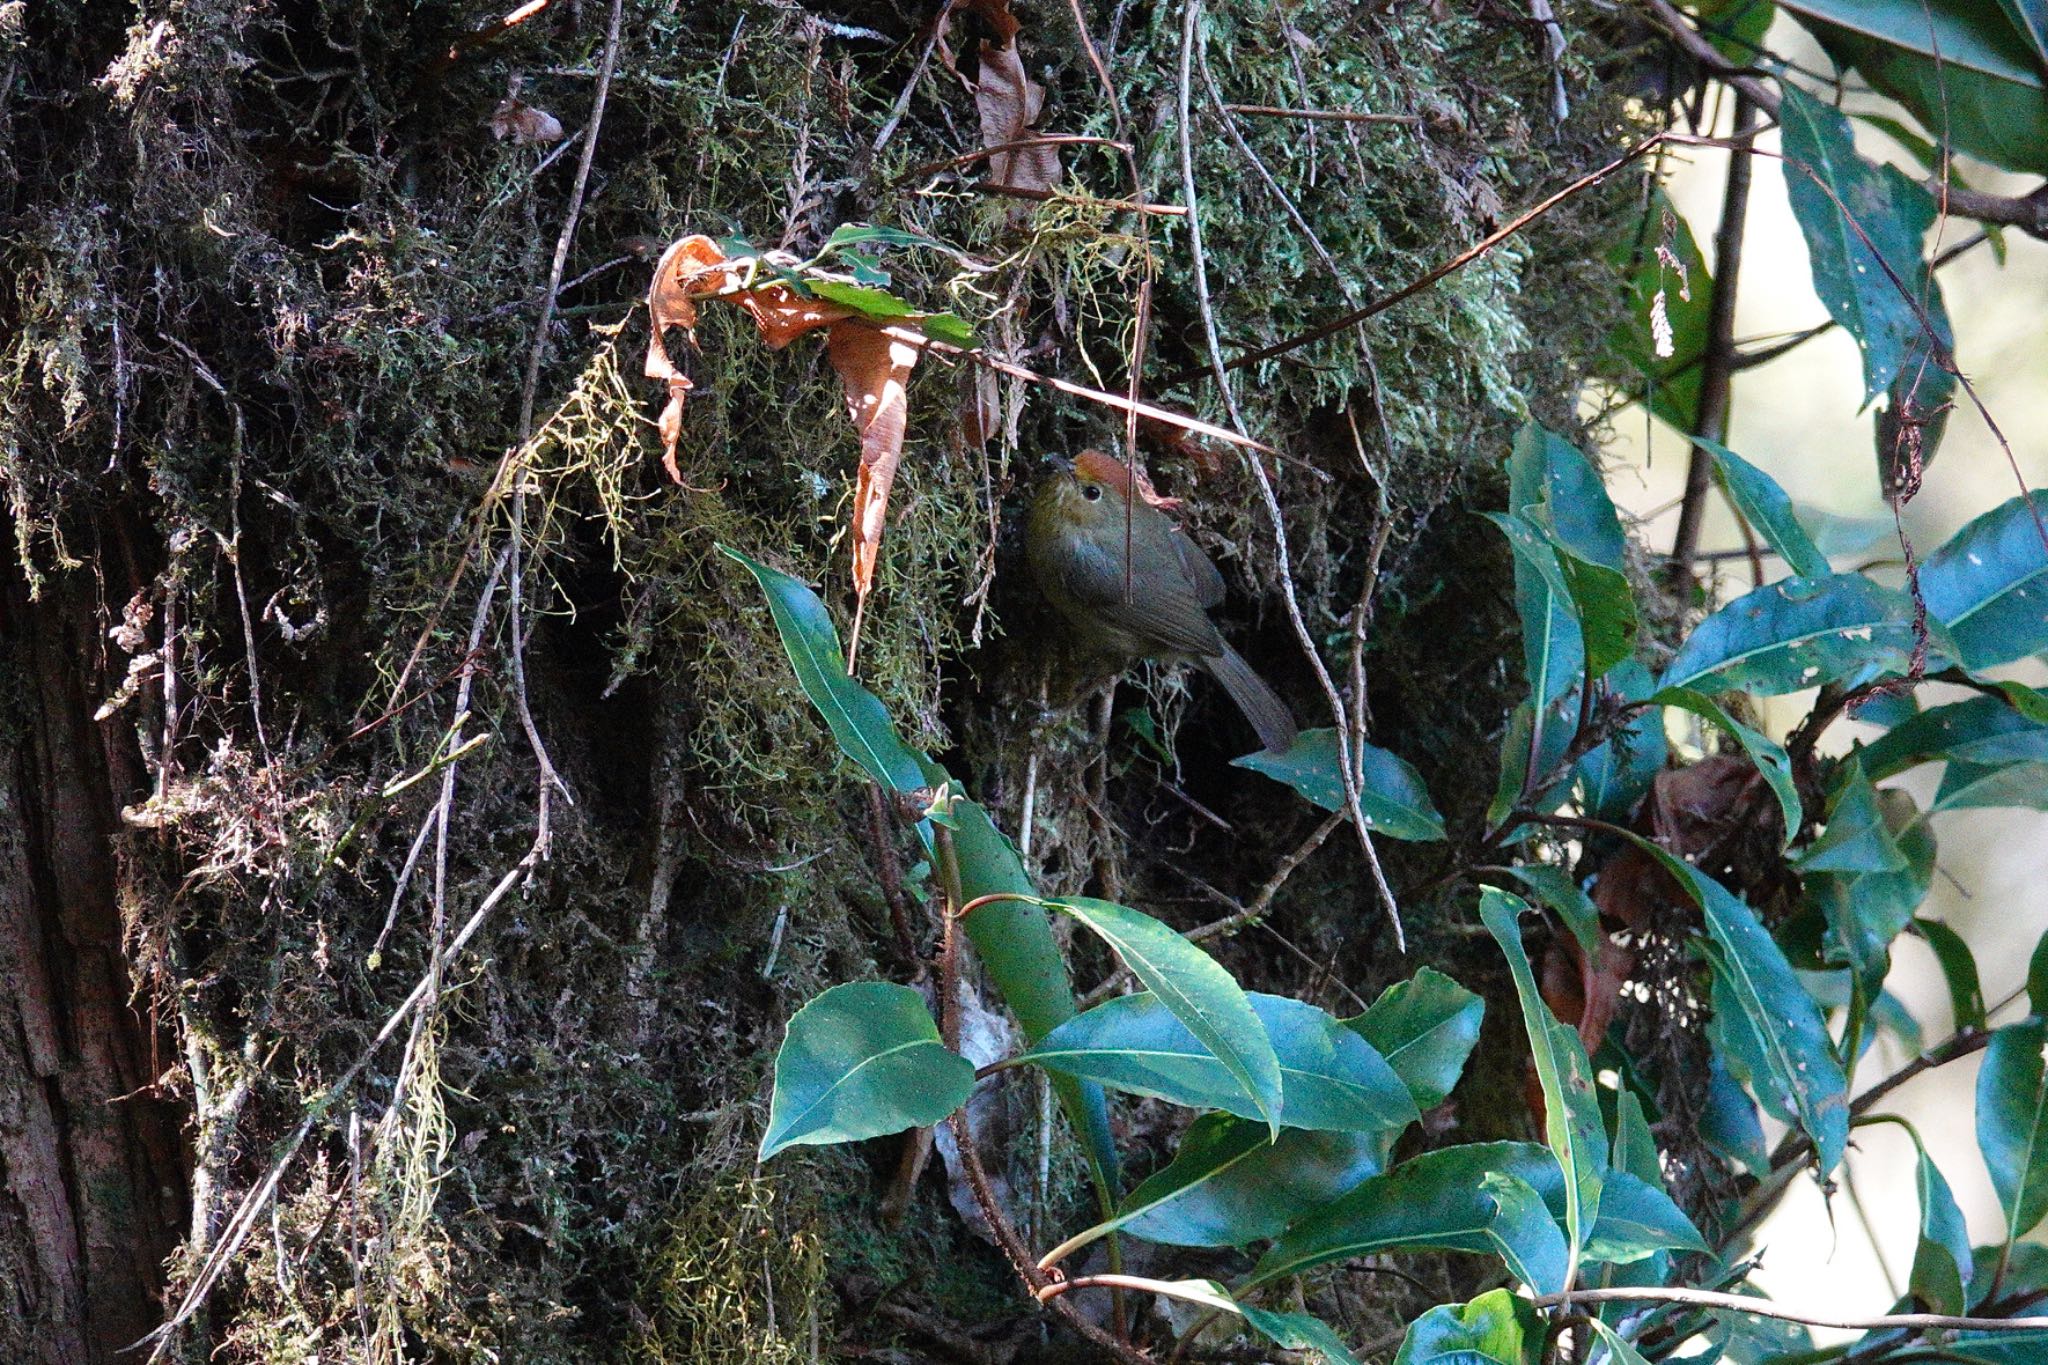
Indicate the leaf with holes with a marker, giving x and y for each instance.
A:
(1798, 633)
(1989, 583)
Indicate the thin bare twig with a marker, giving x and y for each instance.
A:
(1717, 363)
(1322, 115)
(1284, 565)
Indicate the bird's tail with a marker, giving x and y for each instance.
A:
(1261, 705)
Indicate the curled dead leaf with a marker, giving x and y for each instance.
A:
(874, 369)
(520, 121)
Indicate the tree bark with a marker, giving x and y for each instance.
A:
(91, 1169)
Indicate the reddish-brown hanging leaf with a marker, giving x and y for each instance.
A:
(875, 369)
(669, 305)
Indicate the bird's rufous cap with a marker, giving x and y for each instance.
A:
(1115, 475)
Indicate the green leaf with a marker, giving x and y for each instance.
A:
(1963, 72)
(1496, 1328)
(1941, 1257)
(1772, 762)
(1620, 1352)
(1847, 208)
(861, 1060)
(1553, 651)
(1729, 1125)
(1595, 595)
(2037, 978)
(1013, 938)
(1635, 1149)
(1958, 969)
(1425, 1027)
(2012, 1123)
(1983, 731)
(1637, 1220)
(1798, 633)
(857, 720)
(1330, 1077)
(1198, 992)
(1763, 504)
(1930, 158)
(2030, 20)
(1573, 514)
(1300, 1332)
(1668, 384)
(1476, 1198)
(1554, 888)
(1967, 786)
(1866, 910)
(2030, 702)
(1390, 792)
(1736, 27)
(1855, 837)
(1613, 778)
(1571, 1107)
(1229, 1184)
(862, 234)
(1764, 1024)
(1989, 584)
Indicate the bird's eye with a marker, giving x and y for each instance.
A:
(1092, 492)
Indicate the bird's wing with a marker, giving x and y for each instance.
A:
(1163, 613)
(1201, 570)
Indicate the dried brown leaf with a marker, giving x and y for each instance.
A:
(875, 370)
(1009, 103)
(520, 121)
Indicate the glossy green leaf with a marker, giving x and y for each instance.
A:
(1635, 1148)
(1931, 158)
(1958, 66)
(1013, 938)
(1425, 1027)
(1390, 792)
(1989, 583)
(1571, 1107)
(1330, 1077)
(1765, 506)
(1594, 595)
(1941, 1255)
(1196, 990)
(857, 720)
(1472, 1198)
(1229, 1183)
(1669, 384)
(861, 1060)
(2037, 978)
(1638, 1219)
(1300, 1332)
(1958, 969)
(1798, 633)
(1853, 213)
(1620, 1351)
(1773, 764)
(1554, 888)
(1983, 731)
(1614, 777)
(1855, 837)
(2029, 19)
(1736, 27)
(1728, 1123)
(1558, 723)
(1497, 1328)
(1866, 910)
(1552, 649)
(2012, 1123)
(2030, 702)
(1766, 1027)
(1969, 786)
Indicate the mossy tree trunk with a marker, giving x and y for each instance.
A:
(287, 629)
